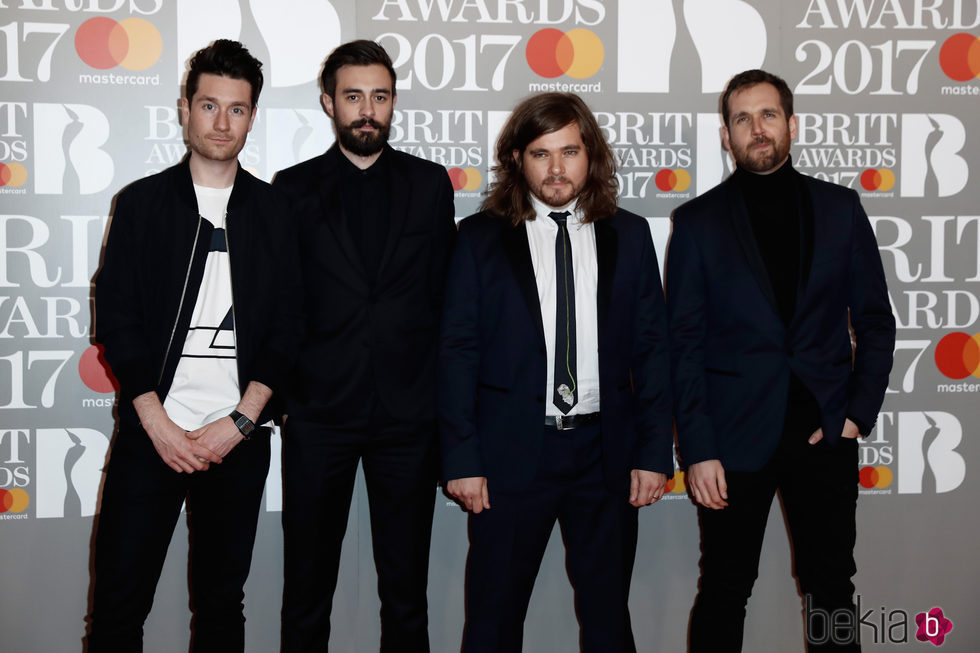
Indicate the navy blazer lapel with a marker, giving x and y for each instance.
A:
(742, 227)
(606, 248)
(519, 257)
(808, 242)
(332, 211)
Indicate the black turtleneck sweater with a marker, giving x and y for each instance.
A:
(774, 204)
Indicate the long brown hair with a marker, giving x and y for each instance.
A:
(509, 195)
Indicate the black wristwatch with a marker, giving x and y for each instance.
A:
(244, 424)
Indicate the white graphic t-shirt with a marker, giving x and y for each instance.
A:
(205, 385)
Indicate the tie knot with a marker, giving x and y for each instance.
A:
(559, 216)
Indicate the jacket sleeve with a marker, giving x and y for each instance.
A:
(650, 364)
(459, 364)
(872, 320)
(686, 315)
(119, 319)
(277, 354)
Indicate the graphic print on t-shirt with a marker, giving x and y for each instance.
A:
(205, 385)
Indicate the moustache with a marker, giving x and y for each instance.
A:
(556, 180)
(357, 124)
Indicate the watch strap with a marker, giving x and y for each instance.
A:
(244, 424)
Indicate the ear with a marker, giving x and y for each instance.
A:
(251, 120)
(185, 110)
(726, 142)
(394, 101)
(327, 103)
(517, 156)
(794, 127)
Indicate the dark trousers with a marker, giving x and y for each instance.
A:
(818, 487)
(141, 502)
(319, 468)
(508, 541)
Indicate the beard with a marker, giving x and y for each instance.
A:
(765, 161)
(556, 198)
(363, 143)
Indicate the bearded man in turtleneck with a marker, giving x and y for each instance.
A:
(768, 275)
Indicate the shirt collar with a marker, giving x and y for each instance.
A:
(541, 210)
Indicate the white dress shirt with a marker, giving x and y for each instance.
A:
(541, 235)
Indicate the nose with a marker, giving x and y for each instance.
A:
(757, 125)
(221, 122)
(557, 165)
(367, 107)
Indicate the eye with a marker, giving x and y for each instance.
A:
(207, 106)
(570, 153)
(380, 98)
(353, 97)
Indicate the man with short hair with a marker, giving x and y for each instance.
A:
(766, 274)
(377, 227)
(196, 306)
(554, 401)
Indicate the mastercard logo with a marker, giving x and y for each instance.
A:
(133, 43)
(95, 372)
(668, 180)
(677, 485)
(577, 53)
(881, 179)
(879, 477)
(960, 57)
(15, 500)
(958, 355)
(12, 174)
(465, 178)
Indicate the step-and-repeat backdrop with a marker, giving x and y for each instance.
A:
(888, 99)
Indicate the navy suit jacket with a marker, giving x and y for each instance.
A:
(732, 354)
(492, 370)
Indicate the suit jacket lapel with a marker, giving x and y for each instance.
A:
(808, 242)
(746, 239)
(400, 199)
(332, 207)
(519, 256)
(606, 246)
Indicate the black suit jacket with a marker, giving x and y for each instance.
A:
(732, 354)
(356, 334)
(493, 364)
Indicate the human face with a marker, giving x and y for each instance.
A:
(556, 166)
(361, 108)
(758, 132)
(218, 117)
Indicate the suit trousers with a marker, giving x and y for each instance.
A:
(818, 487)
(319, 468)
(508, 541)
(141, 502)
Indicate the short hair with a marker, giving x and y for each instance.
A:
(751, 78)
(226, 58)
(355, 53)
(509, 195)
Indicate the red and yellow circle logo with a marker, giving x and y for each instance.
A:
(12, 174)
(958, 355)
(133, 43)
(676, 485)
(959, 57)
(94, 371)
(881, 179)
(15, 500)
(678, 180)
(577, 53)
(468, 179)
(879, 477)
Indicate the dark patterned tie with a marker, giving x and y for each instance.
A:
(565, 390)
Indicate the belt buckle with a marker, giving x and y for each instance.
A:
(559, 422)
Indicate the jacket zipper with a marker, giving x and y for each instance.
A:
(183, 293)
(234, 318)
